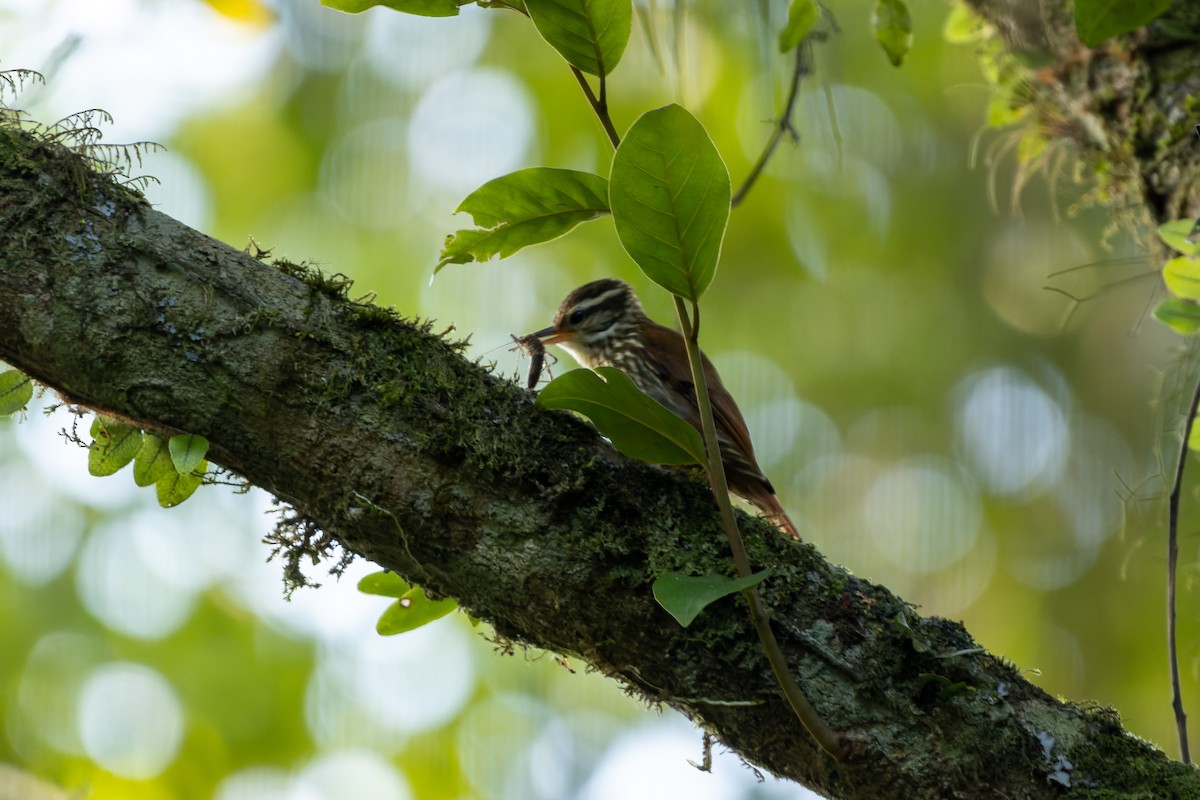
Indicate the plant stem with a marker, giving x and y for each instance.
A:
(812, 722)
(782, 126)
(1172, 559)
(825, 737)
(599, 105)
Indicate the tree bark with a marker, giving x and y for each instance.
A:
(386, 441)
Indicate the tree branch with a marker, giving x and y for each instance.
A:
(381, 434)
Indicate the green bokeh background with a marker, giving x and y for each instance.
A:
(934, 417)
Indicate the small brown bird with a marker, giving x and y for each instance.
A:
(602, 324)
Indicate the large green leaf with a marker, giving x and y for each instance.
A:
(176, 487)
(892, 24)
(422, 8)
(802, 16)
(526, 207)
(1181, 315)
(410, 611)
(114, 445)
(669, 192)
(153, 461)
(685, 596)
(1097, 20)
(638, 425)
(16, 390)
(387, 584)
(1178, 234)
(590, 34)
(187, 451)
(1182, 276)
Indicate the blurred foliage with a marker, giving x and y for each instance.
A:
(934, 417)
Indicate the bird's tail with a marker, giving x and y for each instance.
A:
(768, 503)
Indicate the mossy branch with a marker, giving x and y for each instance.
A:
(383, 437)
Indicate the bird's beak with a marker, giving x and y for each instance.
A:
(551, 335)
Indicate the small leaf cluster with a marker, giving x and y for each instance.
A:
(174, 466)
(1181, 274)
(411, 609)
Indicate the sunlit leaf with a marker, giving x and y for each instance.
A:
(685, 596)
(892, 24)
(174, 488)
(1182, 276)
(590, 34)
(1194, 438)
(1181, 235)
(421, 8)
(187, 450)
(802, 16)
(1097, 20)
(638, 425)
(669, 192)
(387, 584)
(16, 390)
(963, 26)
(523, 208)
(1181, 315)
(114, 445)
(153, 461)
(411, 611)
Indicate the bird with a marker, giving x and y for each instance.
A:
(602, 324)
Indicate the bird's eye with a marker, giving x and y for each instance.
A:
(576, 316)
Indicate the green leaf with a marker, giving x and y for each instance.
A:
(638, 425)
(412, 611)
(16, 390)
(1182, 276)
(590, 34)
(685, 596)
(1178, 234)
(526, 207)
(176, 487)
(802, 16)
(919, 643)
(387, 584)
(114, 445)
(669, 192)
(1194, 438)
(187, 450)
(153, 461)
(1181, 315)
(892, 25)
(422, 8)
(1097, 20)
(963, 26)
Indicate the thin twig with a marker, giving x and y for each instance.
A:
(782, 126)
(1172, 558)
(598, 104)
(829, 741)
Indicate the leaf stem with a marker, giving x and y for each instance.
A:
(825, 737)
(1172, 559)
(782, 126)
(598, 104)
